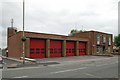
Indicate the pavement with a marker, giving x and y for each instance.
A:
(10, 63)
(68, 67)
(16, 63)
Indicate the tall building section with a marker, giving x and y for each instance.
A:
(100, 43)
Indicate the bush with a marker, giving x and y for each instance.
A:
(23, 38)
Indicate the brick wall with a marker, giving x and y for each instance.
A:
(15, 44)
(91, 36)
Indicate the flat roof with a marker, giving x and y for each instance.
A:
(96, 31)
(51, 36)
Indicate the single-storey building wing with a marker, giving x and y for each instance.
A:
(41, 45)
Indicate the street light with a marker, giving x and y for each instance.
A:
(23, 54)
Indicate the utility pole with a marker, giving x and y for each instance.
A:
(23, 33)
(12, 22)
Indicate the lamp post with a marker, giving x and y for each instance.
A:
(23, 54)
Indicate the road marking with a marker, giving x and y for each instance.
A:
(68, 70)
(79, 69)
(21, 77)
(81, 61)
(89, 60)
(91, 75)
(106, 64)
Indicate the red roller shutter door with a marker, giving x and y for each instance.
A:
(70, 48)
(82, 48)
(55, 48)
(37, 48)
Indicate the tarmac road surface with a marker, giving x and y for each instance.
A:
(101, 67)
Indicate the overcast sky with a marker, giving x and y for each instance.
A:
(60, 16)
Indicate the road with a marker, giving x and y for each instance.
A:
(104, 67)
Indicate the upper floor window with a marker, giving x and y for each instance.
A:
(104, 39)
(98, 39)
(109, 40)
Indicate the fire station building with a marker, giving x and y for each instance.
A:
(41, 45)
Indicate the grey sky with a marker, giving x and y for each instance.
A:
(60, 16)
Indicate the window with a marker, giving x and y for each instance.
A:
(108, 49)
(51, 50)
(72, 50)
(69, 50)
(37, 51)
(42, 50)
(98, 49)
(104, 39)
(55, 50)
(84, 50)
(59, 50)
(109, 40)
(98, 39)
(31, 50)
(79, 50)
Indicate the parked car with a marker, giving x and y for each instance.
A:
(1, 60)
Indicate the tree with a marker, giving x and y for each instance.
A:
(117, 40)
(73, 31)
